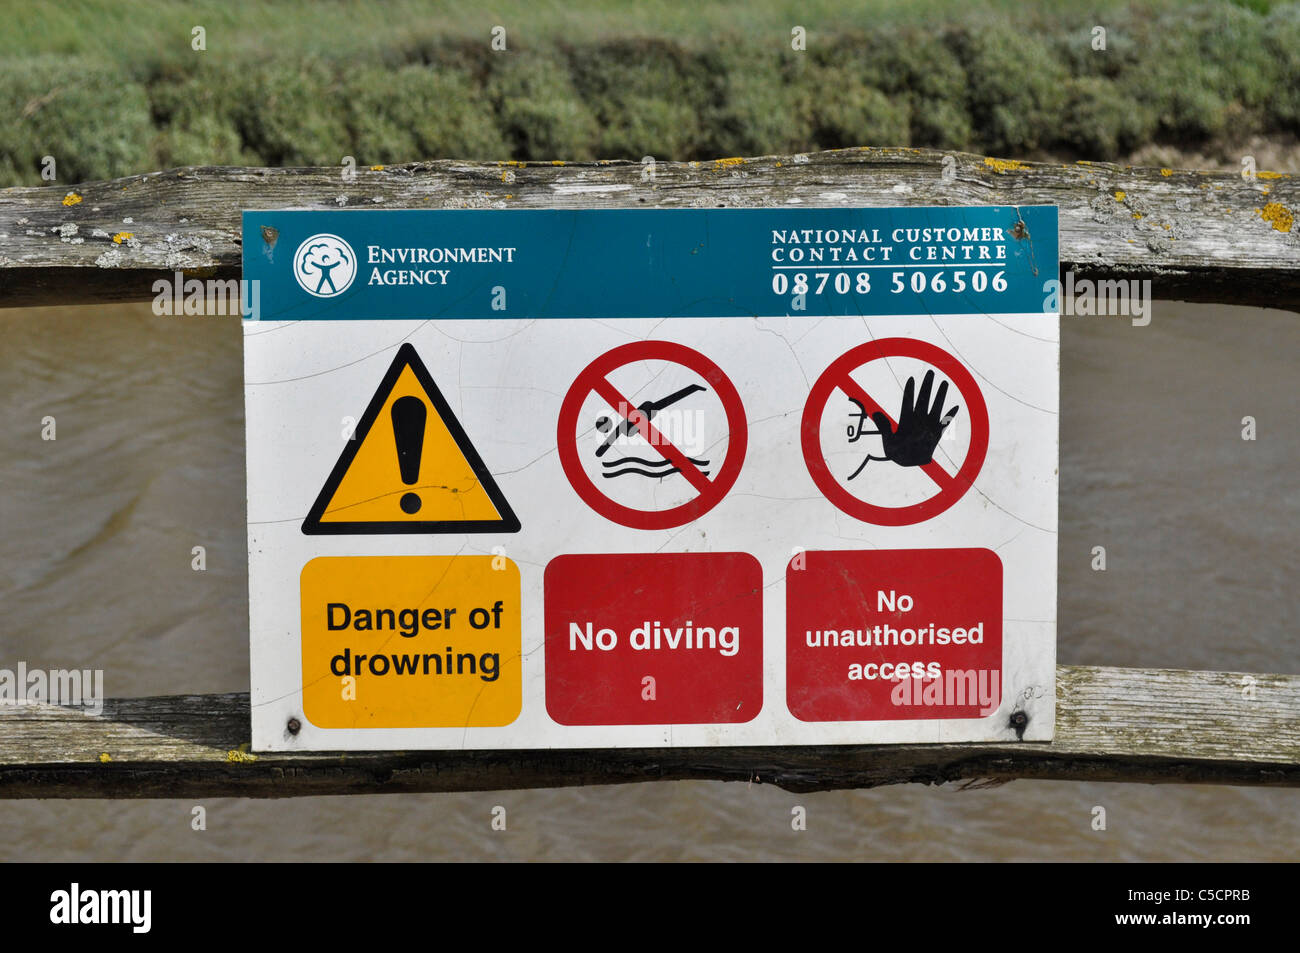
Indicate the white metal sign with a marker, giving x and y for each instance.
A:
(641, 478)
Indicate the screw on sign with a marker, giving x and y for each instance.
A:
(908, 441)
(627, 418)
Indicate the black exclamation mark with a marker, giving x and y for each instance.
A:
(408, 432)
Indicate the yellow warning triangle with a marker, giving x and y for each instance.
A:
(410, 467)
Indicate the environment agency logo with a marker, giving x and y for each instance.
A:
(325, 265)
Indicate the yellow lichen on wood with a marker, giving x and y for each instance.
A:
(1277, 215)
(1270, 175)
(240, 755)
(72, 198)
(1166, 172)
(122, 236)
(1120, 196)
(376, 168)
(730, 161)
(105, 757)
(1003, 165)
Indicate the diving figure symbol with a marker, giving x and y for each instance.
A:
(640, 466)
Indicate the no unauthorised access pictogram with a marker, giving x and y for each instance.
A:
(409, 467)
(658, 454)
(908, 440)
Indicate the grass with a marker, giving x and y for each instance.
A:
(143, 32)
(115, 88)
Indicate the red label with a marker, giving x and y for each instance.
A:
(657, 639)
(883, 635)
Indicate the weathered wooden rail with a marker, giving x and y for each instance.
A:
(1113, 724)
(1198, 236)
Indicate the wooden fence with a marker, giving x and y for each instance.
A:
(1198, 236)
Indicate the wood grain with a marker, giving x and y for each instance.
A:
(1196, 235)
(1113, 724)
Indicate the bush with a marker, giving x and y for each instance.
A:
(197, 119)
(418, 112)
(922, 76)
(848, 112)
(1015, 88)
(1100, 121)
(291, 114)
(648, 97)
(939, 124)
(539, 111)
(1127, 49)
(1282, 43)
(1180, 75)
(766, 105)
(1203, 78)
(94, 123)
(242, 113)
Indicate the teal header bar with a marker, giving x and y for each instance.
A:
(639, 263)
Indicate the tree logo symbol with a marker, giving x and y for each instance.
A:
(325, 265)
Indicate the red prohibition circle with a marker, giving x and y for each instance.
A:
(595, 378)
(954, 487)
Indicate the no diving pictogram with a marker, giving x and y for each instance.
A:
(630, 417)
(837, 377)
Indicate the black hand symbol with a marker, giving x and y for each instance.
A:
(919, 425)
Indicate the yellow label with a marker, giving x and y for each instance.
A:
(372, 491)
(411, 641)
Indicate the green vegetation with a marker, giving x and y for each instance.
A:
(113, 88)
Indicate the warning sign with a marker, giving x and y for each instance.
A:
(909, 437)
(409, 467)
(410, 641)
(635, 478)
(679, 653)
(894, 634)
(644, 448)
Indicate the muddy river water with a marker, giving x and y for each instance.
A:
(1199, 528)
